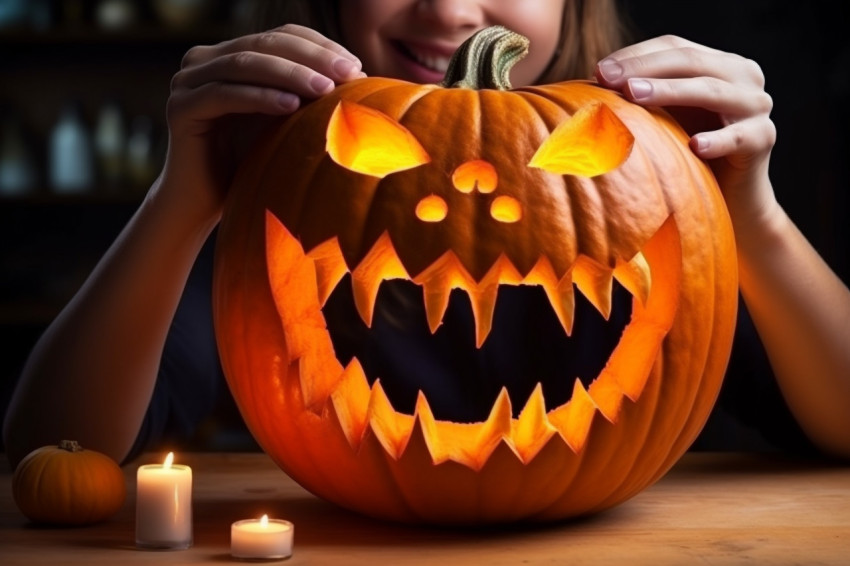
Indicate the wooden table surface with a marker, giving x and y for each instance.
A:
(710, 509)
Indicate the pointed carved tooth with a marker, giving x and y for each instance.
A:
(350, 401)
(330, 267)
(390, 427)
(635, 276)
(533, 429)
(608, 396)
(496, 428)
(430, 430)
(380, 263)
(436, 297)
(365, 294)
(483, 304)
(560, 293)
(574, 418)
(563, 301)
(595, 282)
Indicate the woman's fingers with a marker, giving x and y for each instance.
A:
(728, 99)
(268, 73)
(744, 139)
(292, 43)
(721, 95)
(257, 69)
(216, 99)
(671, 57)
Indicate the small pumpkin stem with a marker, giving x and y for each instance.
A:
(70, 446)
(485, 60)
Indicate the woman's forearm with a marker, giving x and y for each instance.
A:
(802, 312)
(91, 374)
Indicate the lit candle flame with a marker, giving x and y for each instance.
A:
(169, 459)
(264, 521)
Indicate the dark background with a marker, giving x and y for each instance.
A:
(48, 244)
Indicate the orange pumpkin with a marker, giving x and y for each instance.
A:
(67, 485)
(475, 187)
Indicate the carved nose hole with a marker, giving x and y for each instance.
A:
(506, 209)
(476, 174)
(432, 209)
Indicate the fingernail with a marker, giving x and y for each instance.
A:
(321, 84)
(288, 101)
(345, 68)
(639, 89)
(610, 69)
(701, 143)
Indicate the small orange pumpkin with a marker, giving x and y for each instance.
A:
(66, 485)
(473, 185)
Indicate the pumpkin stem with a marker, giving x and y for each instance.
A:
(485, 60)
(70, 446)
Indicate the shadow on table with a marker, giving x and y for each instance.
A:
(323, 524)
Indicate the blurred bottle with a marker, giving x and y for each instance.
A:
(115, 15)
(141, 159)
(41, 15)
(17, 167)
(110, 144)
(70, 161)
(182, 13)
(12, 13)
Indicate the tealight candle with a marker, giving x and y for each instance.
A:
(164, 505)
(264, 538)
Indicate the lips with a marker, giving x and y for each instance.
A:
(431, 60)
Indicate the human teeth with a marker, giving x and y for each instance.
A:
(437, 63)
(595, 282)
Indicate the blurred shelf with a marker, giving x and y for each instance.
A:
(144, 35)
(95, 197)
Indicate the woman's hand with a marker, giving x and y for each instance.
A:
(257, 77)
(800, 308)
(719, 99)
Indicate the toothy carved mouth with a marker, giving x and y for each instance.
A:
(301, 282)
(447, 273)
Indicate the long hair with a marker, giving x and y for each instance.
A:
(590, 30)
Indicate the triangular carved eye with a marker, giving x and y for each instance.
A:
(592, 142)
(367, 141)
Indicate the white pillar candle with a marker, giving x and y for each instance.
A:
(264, 538)
(164, 505)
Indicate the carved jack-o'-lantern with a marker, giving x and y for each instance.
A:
(475, 186)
